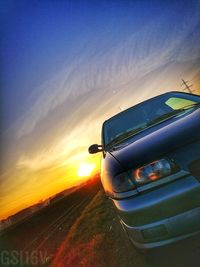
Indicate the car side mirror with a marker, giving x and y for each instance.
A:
(95, 149)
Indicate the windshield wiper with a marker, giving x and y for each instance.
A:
(191, 105)
(171, 114)
(124, 136)
(165, 116)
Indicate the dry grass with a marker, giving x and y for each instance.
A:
(97, 240)
(89, 237)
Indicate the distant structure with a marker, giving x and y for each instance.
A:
(187, 87)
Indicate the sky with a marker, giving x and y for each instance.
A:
(66, 66)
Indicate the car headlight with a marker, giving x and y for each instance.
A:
(153, 171)
(122, 183)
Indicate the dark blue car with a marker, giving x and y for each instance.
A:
(151, 168)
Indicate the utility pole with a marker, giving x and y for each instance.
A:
(187, 87)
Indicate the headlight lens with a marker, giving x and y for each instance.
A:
(127, 181)
(153, 171)
(122, 183)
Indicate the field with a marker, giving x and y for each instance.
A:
(83, 229)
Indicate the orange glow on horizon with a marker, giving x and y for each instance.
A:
(56, 178)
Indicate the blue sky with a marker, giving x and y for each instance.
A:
(41, 37)
(69, 65)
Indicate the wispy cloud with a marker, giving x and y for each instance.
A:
(154, 46)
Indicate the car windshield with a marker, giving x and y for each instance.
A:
(146, 114)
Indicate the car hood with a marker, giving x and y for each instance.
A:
(159, 140)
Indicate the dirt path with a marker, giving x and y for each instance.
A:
(35, 241)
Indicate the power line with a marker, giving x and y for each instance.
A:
(187, 87)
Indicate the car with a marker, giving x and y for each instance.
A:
(150, 168)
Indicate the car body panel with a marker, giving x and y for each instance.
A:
(164, 202)
(165, 231)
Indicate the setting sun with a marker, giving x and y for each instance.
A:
(85, 169)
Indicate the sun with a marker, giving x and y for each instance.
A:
(85, 169)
